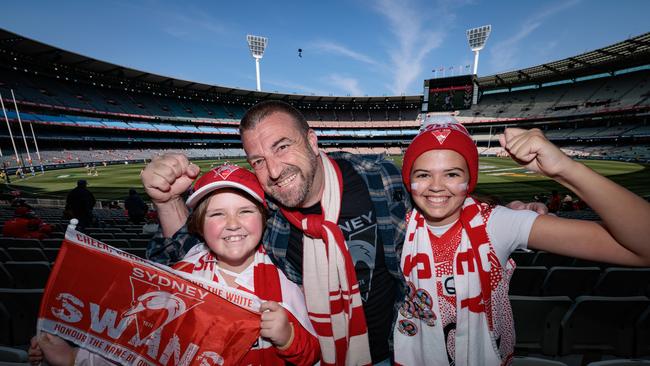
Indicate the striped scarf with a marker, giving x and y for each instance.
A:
(262, 279)
(484, 331)
(328, 273)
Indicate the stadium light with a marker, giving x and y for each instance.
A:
(477, 38)
(257, 45)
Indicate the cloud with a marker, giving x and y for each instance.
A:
(349, 85)
(338, 49)
(504, 53)
(414, 41)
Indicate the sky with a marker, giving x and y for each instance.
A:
(349, 48)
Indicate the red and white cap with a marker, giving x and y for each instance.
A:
(449, 136)
(226, 176)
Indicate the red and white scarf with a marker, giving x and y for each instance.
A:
(328, 273)
(484, 332)
(262, 279)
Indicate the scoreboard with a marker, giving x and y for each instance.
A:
(448, 94)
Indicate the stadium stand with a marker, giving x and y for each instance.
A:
(85, 111)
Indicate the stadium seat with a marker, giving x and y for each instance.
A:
(534, 361)
(52, 242)
(117, 243)
(23, 306)
(549, 260)
(101, 236)
(4, 256)
(642, 335)
(27, 254)
(127, 236)
(51, 253)
(616, 281)
(140, 252)
(537, 322)
(20, 243)
(6, 279)
(527, 281)
(621, 362)
(602, 325)
(28, 275)
(12, 356)
(139, 243)
(523, 258)
(5, 325)
(570, 281)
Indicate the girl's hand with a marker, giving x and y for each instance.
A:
(532, 150)
(34, 354)
(55, 350)
(275, 324)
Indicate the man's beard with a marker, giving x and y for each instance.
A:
(298, 196)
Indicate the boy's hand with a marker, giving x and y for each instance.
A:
(532, 150)
(275, 324)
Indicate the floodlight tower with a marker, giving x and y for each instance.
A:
(257, 45)
(477, 38)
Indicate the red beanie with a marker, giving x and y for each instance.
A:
(442, 136)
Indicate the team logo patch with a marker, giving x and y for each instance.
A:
(407, 328)
(225, 171)
(441, 135)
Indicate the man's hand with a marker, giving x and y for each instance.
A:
(167, 177)
(275, 324)
(538, 207)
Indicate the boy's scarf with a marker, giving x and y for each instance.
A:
(328, 273)
(484, 325)
(264, 280)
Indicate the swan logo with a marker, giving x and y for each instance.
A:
(152, 308)
(225, 170)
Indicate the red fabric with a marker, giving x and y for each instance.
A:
(136, 313)
(447, 136)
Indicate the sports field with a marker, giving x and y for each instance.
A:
(499, 177)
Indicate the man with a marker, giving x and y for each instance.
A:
(80, 202)
(135, 207)
(283, 152)
(371, 207)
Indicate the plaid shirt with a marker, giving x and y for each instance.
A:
(389, 197)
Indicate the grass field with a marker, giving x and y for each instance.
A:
(499, 177)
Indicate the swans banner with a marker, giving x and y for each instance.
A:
(136, 312)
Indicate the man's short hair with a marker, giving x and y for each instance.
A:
(261, 110)
(82, 183)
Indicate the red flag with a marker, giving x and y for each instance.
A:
(136, 313)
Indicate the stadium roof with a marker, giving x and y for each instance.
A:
(629, 53)
(632, 52)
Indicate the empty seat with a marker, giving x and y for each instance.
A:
(22, 306)
(620, 362)
(29, 274)
(117, 243)
(127, 236)
(570, 281)
(523, 258)
(5, 325)
(27, 254)
(537, 322)
(642, 335)
(534, 361)
(140, 252)
(139, 243)
(52, 242)
(616, 281)
(527, 281)
(4, 256)
(102, 236)
(552, 260)
(20, 243)
(51, 253)
(6, 279)
(603, 325)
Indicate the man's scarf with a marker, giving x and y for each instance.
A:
(484, 325)
(328, 273)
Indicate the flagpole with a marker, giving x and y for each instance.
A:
(11, 136)
(20, 123)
